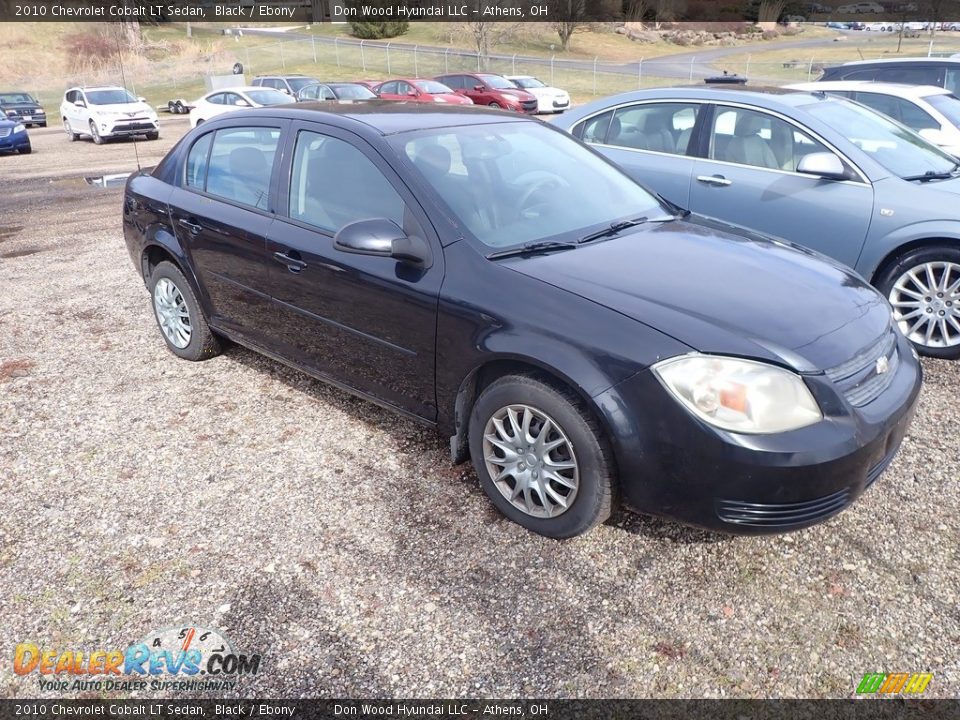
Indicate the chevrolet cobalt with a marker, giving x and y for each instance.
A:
(493, 277)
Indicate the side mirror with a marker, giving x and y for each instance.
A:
(79, 103)
(822, 164)
(241, 103)
(478, 88)
(382, 238)
(141, 99)
(412, 93)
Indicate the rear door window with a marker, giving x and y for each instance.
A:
(240, 164)
(659, 127)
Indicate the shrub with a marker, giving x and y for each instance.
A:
(91, 49)
(375, 30)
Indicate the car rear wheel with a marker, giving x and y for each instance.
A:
(496, 105)
(153, 136)
(541, 457)
(923, 287)
(95, 134)
(71, 135)
(178, 315)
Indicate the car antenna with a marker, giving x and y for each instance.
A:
(123, 79)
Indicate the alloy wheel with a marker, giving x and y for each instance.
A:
(172, 313)
(531, 461)
(926, 304)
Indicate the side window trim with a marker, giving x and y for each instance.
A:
(278, 163)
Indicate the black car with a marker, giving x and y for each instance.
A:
(580, 339)
(23, 107)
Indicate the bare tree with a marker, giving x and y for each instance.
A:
(770, 10)
(569, 15)
(636, 10)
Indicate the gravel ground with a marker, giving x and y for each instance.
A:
(335, 539)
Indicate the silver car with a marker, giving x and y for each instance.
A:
(817, 170)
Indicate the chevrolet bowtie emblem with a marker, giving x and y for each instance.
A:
(882, 365)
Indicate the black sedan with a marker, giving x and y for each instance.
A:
(582, 340)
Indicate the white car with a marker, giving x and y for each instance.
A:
(549, 99)
(932, 112)
(217, 102)
(107, 112)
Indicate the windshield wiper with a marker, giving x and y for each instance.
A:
(931, 175)
(532, 248)
(615, 227)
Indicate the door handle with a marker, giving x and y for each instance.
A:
(293, 264)
(193, 227)
(718, 180)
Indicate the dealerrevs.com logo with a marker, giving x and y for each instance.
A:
(187, 658)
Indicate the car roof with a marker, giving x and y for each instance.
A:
(97, 87)
(236, 88)
(898, 89)
(894, 61)
(389, 118)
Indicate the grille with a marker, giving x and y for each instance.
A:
(858, 378)
(781, 515)
(5, 131)
(529, 104)
(135, 126)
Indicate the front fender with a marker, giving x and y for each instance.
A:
(879, 250)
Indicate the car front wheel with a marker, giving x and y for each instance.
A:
(95, 134)
(179, 316)
(71, 135)
(541, 457)
(923, 287)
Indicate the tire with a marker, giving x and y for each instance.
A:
(170, 293)
(25, 151)
(496, 105)
(71, 135)
(94, 134)
(938, 302)
(582, 445)
(153, 136)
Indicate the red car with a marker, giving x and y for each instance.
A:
(419, 90)
(492, 90)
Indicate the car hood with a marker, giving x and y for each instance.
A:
(131, 109)
(519, 94)
(21, 106)
(547, 92)
(718, 292)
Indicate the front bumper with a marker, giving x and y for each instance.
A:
(674, 465)
(28, 118)
(552, 104)
(127, 128)
(15, 141)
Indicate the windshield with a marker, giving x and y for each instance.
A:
(297, 83)
(11, 98)
(947, 105)
(110, 97)
(432, 87)
(353, 92)
(512, 183)
(897, 148)
(268, 96)
(497, 82)
(528, 82)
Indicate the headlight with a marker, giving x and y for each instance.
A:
(19, 128)
(740, 395)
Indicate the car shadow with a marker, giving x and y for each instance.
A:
(408, 434)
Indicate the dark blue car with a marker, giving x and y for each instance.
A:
(581, 340)
(13, 137)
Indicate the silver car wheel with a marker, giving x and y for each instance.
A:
(926, 304)
(531, 461)
(172, 313)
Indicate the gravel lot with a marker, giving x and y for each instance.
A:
(140, 492)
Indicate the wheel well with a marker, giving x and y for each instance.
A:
(153, 256)
(894, 255)
(483, 376)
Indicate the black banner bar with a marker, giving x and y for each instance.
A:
(859, 709)
(930, 12)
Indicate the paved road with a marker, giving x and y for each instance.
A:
(681, 66)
